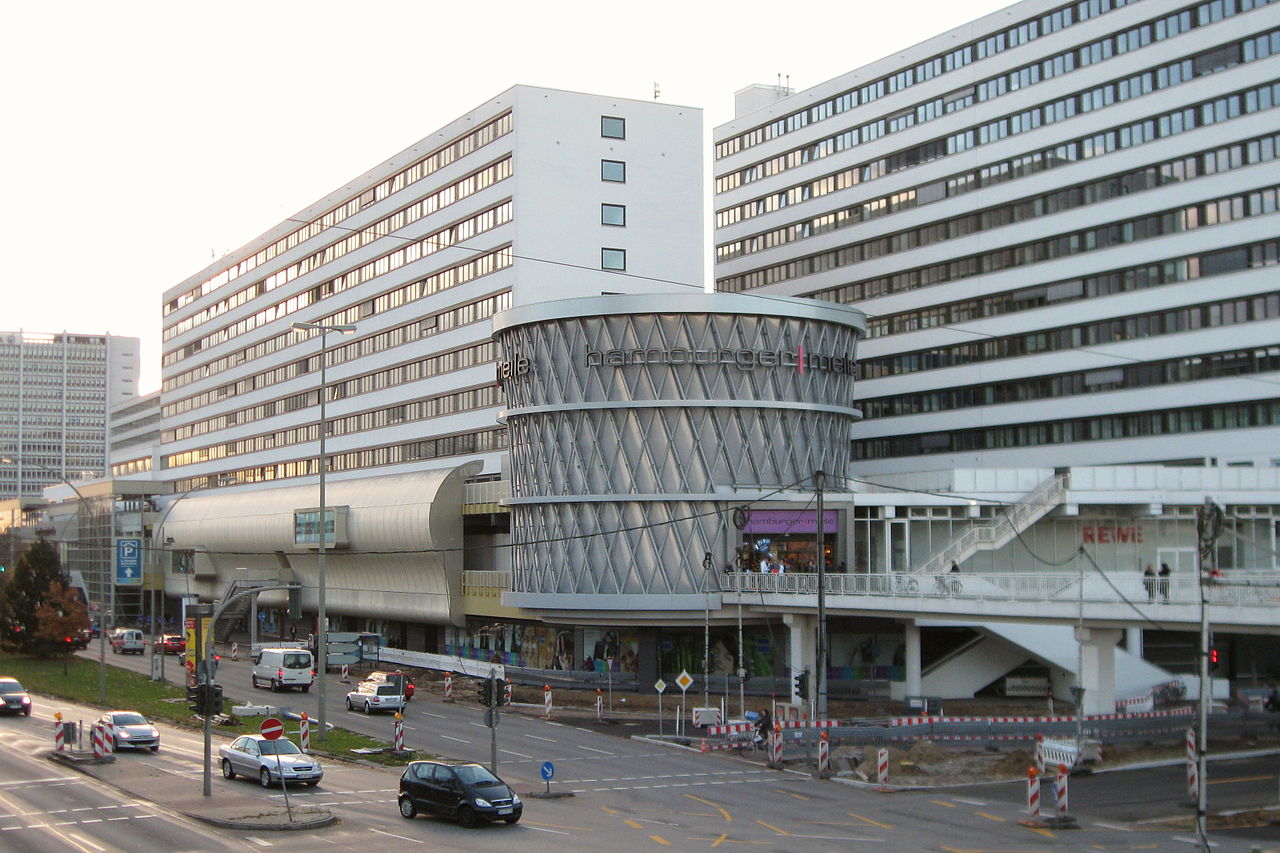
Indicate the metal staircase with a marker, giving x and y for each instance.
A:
(999, 531)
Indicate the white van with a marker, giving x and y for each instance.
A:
(127, 641)
(284, 668)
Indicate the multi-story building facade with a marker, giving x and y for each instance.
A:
(1061, 222)
(135, 436)
(536, 195)
(55, 391)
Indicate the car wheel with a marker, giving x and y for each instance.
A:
(264, 776)
(407, 811)
(312, 783)
(467, 817)
(349, 707)
(155, 748)
(513, 819)
(306, 688)
(115, 745)
(227, 771)
(275, 686)
(27, 711)
(255, 681)
(366, 708)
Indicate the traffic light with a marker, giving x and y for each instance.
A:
(1213, 660)
(506, 692)
(802, 684)
(484, 692)
(195, 694)
(212, 700)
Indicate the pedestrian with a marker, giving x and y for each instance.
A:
(1165, 574)
(955, 569)
(293, 632)
(1149, 581)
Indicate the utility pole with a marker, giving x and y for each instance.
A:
(821, 668)
(1208, 529)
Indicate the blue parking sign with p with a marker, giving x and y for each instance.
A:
(128, 562)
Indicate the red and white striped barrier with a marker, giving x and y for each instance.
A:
(1193, 780)
(108, 736)
(1060, 792)
(927, 721)
(235, 651)
(809, 724)
(824, 753)
(775, 745)
(58, 734)
(304, 732)
(546, 700)
(882, 766)
(1039, 753)
(99, 750)
(346, 671)
(729, 729)
(399, 733)
(448, 687)
(1033, 792)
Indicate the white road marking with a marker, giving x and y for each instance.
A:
(393, 835)
(538, 737)
(593, 749)
(257, 841)
(517, 754)
(544, 829)
(86, 842)
(458, 739)
(969, 802)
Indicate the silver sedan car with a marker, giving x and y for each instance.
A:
(267, 760)
(131, 731)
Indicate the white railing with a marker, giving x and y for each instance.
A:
(1236, 589)
(1010, 522)
(488, 492)
(488, 579)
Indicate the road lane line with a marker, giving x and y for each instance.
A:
(458, 739)
(518, 754)
(990, 817)
(944, 803)
(727, 817)
(772, 827)
(593, 749)
(86, 842)
(393, 835)
(720, 840)
(870, 821)
(658, 839)
(537, 737)
(258, 841)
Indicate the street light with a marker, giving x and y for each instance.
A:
(110, 581)
(322, 631)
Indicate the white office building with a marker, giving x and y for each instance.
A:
(535, 195)
(55, 391)
(1061, 222)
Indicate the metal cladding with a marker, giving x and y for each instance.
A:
(638, 423)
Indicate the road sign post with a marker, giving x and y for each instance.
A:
(548, 773)
(271, 729)
(684, 681)
(660, 686)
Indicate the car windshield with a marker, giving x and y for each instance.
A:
(474, 774)
(130, 720)
(11, 687)
(278, 747)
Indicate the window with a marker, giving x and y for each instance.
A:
(612, 127)
(613, 214)
(613, 259)
(613, 170)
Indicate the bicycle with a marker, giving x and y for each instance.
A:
(905, 584)
(947, 585)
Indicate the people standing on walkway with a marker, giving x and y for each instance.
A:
(1149, 581)
(1165, 574)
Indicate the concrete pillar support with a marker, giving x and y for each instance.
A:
(801, 650)
(911, 658)
(1098, 668)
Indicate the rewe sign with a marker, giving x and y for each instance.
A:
(1107, 534)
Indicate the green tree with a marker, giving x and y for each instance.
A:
(29, 586)
(59, 619)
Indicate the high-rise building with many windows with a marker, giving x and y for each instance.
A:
(55, 391)
(1060, 220)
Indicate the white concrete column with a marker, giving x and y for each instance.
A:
(801, 652)
(911, 659)
(1133, 641)
(1098, 668)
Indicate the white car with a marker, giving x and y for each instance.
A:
(266, 760)
(132, 731)
(374, 696)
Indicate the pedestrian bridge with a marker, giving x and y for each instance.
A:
(1243, 602)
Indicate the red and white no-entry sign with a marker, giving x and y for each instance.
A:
(271, 728)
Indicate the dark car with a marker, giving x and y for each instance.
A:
(170, 644)
(13, 698)
(461, 790)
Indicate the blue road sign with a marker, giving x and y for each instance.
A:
(548, 770)
(128, 562)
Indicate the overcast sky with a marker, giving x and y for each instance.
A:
(144, 139)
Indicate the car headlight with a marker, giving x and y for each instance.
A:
(515, 798)
(484, 804)
(26, 700)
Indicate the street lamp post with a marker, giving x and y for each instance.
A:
(110, 581)
(322, 630)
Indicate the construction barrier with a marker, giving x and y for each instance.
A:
(58, 733)
(599, 704)
(345, 674)
(399, 733)
(235, 651)
(99, 751)
(1039, 753)
(1060, 792)
(1193, 781)
(882, 767)
(1059, 752)
(546, 700)
(775, 745)
(108, 736)
(304, 732)
(448, 687)
(928, 721)
(1033, 792)
(824, 753)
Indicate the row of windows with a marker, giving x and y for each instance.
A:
(1157, 373)
(1182, 169)
(480, 441)
(480, 223)
(433, 162)
(1107, 428)
(472, 312)
(423, 409)
(1135, 327)
(1127, 280)
(437, 282)
(133, 466)
(410, 251)
(1054, 66)
(1169, 124)
(936, 190)
(952, 60)
(1084, 101)
(461, 189)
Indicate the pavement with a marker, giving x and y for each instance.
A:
(182, 794)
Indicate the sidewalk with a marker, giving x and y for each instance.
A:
(229, 810)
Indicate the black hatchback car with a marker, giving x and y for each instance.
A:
(461, 790)
(13, 698)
